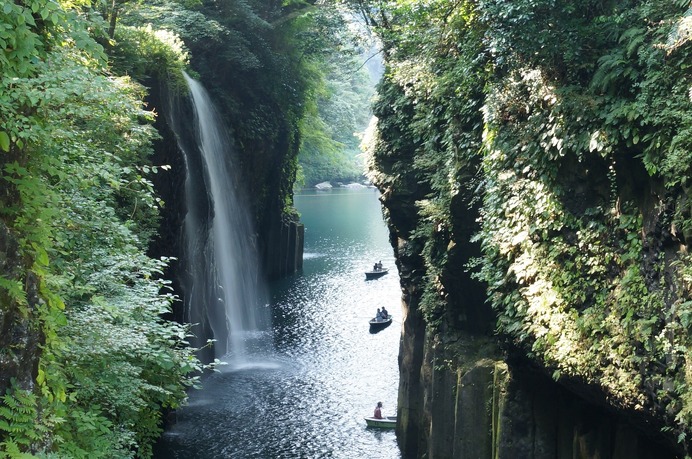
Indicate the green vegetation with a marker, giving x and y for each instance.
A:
(268, 68)
(90, 359)
(79, 202)
(339, 110)
(559, 134)
(563, 129)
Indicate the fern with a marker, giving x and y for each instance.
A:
(10, 450)
(18, 418)
(14, 290)
(633, 38)
(610, 68)
(681, 32)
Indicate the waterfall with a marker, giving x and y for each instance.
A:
(222, 293)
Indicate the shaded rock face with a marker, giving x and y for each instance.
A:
(283, 254)
(466, 402)
(20, 333)
(170, 185)
(279, 238)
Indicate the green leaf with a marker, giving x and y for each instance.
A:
(4, 141)
(41, 255)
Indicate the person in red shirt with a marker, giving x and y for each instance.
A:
(378, 411)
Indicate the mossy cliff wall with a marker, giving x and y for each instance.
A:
(534, 164)
(243, 54)
(461, 395)
(20, 336)
(486, 409)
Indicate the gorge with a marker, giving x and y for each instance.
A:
(533, 160)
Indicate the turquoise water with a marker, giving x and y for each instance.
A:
(305, 396)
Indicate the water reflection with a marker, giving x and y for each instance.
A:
(307, 399)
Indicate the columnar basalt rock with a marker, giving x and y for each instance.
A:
(283, 248)
(481, 407)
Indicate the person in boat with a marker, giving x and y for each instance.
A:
(375, 268)
(378, 411)
(378, 316)
(384, 313)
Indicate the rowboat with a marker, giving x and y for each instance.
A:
(377, 325)
(388, 422)
(376, 273)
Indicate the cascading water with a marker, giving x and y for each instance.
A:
(222, 291)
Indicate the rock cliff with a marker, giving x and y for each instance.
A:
(20, 337)
(539, 210)
(465, 394)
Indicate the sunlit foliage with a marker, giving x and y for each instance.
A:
(564, 128)
(77, 196)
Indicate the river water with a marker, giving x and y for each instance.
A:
(308, 385)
